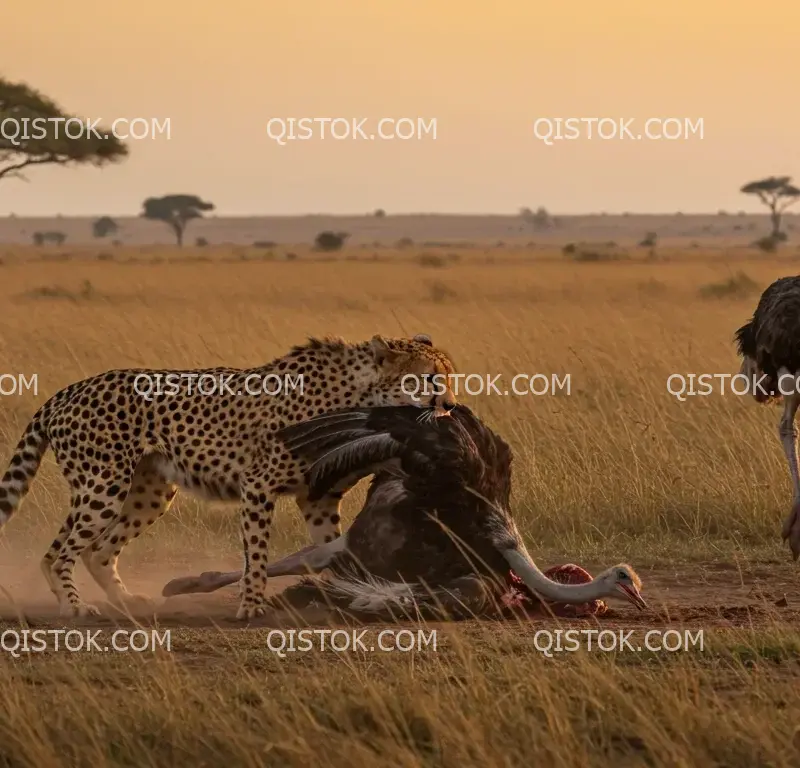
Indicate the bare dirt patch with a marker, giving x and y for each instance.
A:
(707, 596)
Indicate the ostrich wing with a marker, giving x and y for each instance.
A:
(354, 444)
(444, 453)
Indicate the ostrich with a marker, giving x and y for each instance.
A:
(435, 532)
(769, 345)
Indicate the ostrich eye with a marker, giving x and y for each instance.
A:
(621, 575)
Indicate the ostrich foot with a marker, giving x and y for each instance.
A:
(791, 529)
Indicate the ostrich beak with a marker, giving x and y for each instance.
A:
(632, 594)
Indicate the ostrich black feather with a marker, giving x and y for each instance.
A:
(439, 502)
(772, 336)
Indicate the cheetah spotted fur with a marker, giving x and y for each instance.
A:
(125, 455)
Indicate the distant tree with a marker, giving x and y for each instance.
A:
(379, 213)
(104, 226)
(777, 193)
(176, 211)
(330, 241)
(36, 131)
(650, 240)
(539, 220)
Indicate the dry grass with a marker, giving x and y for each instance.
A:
(619, 469)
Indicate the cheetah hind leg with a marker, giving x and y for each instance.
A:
(85, 523)
(149, 498)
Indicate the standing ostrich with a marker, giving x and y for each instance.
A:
(435, 532)
(769, 345)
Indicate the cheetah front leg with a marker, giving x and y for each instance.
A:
(257, 505)
(322, 515)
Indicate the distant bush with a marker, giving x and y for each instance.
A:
(739, 285)
(264, 244)
(650, 240)
(404, 242)
(768, 244)
(55, 237)
(379, 213)
(330, 241)
(431, 260)
(590, 252)
(200, 242)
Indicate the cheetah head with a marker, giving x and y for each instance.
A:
(412, 372)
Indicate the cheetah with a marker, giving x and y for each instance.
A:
(125, 449)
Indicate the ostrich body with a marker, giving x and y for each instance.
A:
(435, 531)
(769, 345)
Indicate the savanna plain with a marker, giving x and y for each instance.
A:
(691, 493)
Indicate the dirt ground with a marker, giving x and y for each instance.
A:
(706, 596)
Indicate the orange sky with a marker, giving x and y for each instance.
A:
(485, 71)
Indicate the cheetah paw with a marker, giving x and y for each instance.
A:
(250, 611)
(80, 611)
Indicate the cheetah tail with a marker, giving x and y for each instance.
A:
(24, 464)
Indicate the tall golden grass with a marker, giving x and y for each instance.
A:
(616, 469)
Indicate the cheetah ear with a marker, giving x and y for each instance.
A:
(381, 350)
(423, 338)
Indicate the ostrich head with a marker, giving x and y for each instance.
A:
(623, 582)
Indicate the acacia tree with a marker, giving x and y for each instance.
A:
(34, 130)
(104, 226)
(176, 211)
(777, 193)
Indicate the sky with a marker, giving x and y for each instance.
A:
(221, 73)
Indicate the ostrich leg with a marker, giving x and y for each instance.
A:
(311, 559)
(788, 435)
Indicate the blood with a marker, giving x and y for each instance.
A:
(518, 596)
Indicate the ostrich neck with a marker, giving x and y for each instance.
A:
(535, 580)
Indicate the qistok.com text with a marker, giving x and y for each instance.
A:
(283, 642)
(523, 384)
(683, 385)
(152, 385)
(18, 642)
